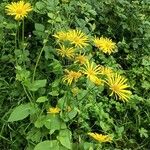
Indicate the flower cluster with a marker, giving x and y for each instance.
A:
(75, 37)
(72, 46)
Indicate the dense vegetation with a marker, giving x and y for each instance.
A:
(48, 100)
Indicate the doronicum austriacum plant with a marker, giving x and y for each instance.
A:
(68, 90)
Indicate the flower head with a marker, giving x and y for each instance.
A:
(18, 9)
(105, 45)
(117, 84)
(80, 59)
(66, 52)
(78, 38)
(71, 76)
(100, 137)
(91, 72)
(53, 110)
(106, 71)
(61, 36)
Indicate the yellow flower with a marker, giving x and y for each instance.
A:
(80, 59)
(100, 137)
(117, 84)
(92, 72)
(66, 52)
(71, 76)
(105, 45)
(106, 71)
(78, 38)
(53, 110)
(18, 9)
(61, 35)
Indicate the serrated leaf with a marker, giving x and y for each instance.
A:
(20, 112)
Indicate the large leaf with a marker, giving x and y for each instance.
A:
(65, 138)
(53, 123)
(20, 112)
(36, 85)
(47, 145)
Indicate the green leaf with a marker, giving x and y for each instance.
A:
(65, 138)
(36, 85)
(53, 122)
(40, 121)
(143, 133)
(54, 93)
(72, 113)
(34, 134)
(39, 27)
(47, 145)
(20, 112)
(41, 99)
(146, 85)
(40, 5)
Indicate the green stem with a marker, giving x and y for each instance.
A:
(27, 94)
(16, 42)
(37, 62)
(18, 34)
(38, 59)
(23, 34)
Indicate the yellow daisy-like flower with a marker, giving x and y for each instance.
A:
(106, 71)
(100, 137)
(71, 76)
(66, 52)
(117, 84)
(80, 59)
(53, 110)
(18, 9)
(105, 45)
(92, 71)
(61, 36)
(78, 38)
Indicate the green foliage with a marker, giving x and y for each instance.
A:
(31, 73)
(20, 112)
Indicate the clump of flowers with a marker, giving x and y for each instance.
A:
(75, 37)
(71, 44)
(100, 137)
(18, 9)
(118, 86)
(106, 45)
